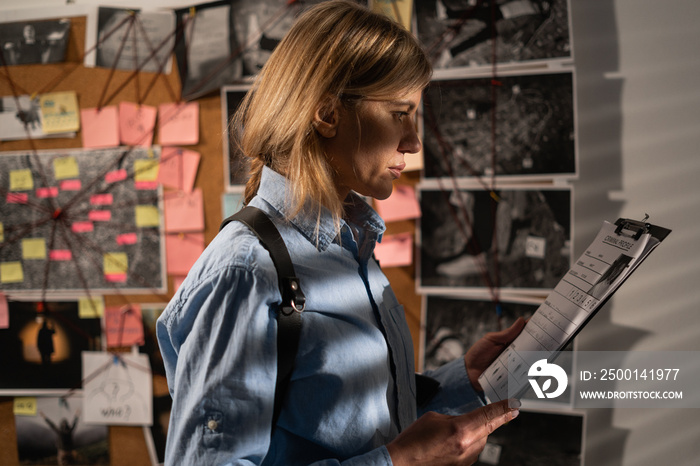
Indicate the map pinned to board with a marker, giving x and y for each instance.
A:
(76, 205)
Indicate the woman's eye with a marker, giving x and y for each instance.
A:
(401, 115)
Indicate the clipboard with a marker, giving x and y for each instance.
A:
(615, 253)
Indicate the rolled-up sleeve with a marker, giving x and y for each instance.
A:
(219, 347)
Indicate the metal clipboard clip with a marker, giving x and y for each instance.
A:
(638, 227)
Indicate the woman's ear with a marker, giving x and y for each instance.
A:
(327, 117)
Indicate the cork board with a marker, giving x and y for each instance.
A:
(127, 444)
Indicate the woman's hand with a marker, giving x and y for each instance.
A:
(437, 439)
(486, 350)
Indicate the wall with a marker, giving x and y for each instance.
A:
(639, 114)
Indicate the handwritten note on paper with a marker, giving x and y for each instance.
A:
(136, 124)
(59, 112)
(184, 212)
(178, 168)
(33, 248)
(115, 266)
(123, 325)
(147, 216)
(11, 272)
(65, 168)
(21, 180)
(401, 205)
(91, 307)
(395, 250)
(178, 123)
(100, 128)
(24, 406)
(182, 250)
(118, 388)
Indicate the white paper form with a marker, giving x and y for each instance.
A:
(595, 276)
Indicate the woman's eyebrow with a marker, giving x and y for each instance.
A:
(411, 105)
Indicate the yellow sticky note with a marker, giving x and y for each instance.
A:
(398, 10)
(147, 216)
(33, 248)
(89, 308)
(2, 233)
(24, 406)
(59, 112)
(11, 272)
(65, 168)
(115, 263)
(146, 170)
(21, 180)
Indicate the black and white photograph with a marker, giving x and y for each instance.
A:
(479, 240)
(40, 350)
(469, 33)
(538, 438)
(454, 324)
(516, 126)
(34, 42)
(236, 165)
(133, 39)
(77, 222)
(228, 41)
(57, 434)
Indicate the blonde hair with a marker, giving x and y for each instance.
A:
(337, 51)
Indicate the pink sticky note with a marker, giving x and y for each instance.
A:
(136, 124)
(60, 255)
(82, 227)
(71, 185)
(178, 123)
(100, 215)
(184, 212)
(126, 238)
(43, 193)
(401, 205)
(178, 168)
(177, 281)
(102, 199)
(4, 311)
(17, 198)
(123, 325)
(115, 175)
(182, 250)
(395, 250)
(100, 128)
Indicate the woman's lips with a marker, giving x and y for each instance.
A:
(397, 169)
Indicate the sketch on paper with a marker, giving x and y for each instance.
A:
(117, 388)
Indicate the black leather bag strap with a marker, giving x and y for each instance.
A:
(293, 299)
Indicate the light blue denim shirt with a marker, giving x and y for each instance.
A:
(352, 389)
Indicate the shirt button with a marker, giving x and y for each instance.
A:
(212, 424)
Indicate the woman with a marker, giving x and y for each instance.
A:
(331, 113)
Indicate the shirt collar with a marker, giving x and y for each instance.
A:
(274, 189)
